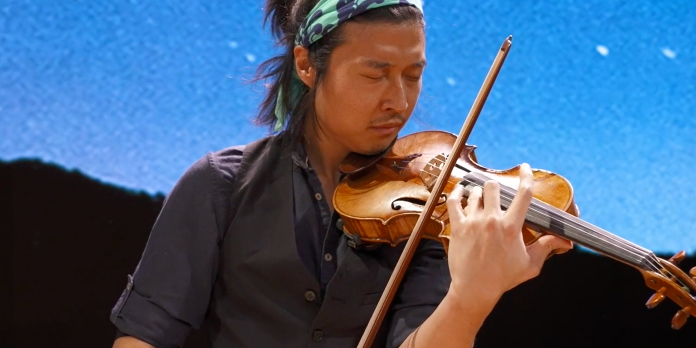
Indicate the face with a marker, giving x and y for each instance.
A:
(371, 86)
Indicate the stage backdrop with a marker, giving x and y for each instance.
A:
(601, 92)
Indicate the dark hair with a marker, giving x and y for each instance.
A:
(285, 18)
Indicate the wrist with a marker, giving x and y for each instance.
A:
(456, 321)
(474, 302)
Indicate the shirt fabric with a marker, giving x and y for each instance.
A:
(177, 284)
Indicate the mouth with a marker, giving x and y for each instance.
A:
(387, 128)
(388, 125)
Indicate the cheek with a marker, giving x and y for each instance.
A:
(351, 103)
(413, 95)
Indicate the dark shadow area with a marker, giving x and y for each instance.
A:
(72, 241)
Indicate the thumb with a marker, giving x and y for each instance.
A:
(545, 247)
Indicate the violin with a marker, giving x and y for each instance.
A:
(381, 203)
(400, 194)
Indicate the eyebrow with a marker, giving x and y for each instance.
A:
(377, 64)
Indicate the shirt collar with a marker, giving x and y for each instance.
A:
(300, 158)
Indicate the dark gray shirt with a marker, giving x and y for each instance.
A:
(179, 259)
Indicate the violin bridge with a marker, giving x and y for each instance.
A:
(432, 170)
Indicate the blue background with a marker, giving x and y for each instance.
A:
(601, 92)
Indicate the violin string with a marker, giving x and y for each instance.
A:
(587, 229)
(539, 211)
(586, 226)
(653, 263)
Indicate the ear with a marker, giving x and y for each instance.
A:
(303, 66)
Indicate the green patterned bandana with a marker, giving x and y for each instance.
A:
(324, 17)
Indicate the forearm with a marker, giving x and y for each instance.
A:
(130, 342)
(454, 323)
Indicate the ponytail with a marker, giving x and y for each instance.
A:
(285, 17)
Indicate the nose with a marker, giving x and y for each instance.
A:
(396, 99)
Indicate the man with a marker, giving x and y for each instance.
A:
(248, 246)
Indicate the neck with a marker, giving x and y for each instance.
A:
(325, 155)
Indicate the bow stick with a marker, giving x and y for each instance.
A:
(412, 243)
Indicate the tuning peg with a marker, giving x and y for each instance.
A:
(693, 272)
(680, 318)
(677, 258)
(656, 298)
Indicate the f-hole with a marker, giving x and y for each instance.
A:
(396, 206)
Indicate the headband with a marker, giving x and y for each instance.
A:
(323, 18)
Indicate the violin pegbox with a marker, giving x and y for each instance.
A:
(672, 282)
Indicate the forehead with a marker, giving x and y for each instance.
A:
(382, 41)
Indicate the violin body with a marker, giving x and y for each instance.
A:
(382, 198)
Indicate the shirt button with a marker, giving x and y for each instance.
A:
(310, 295)
(328, 257)
(317, 335)
(317, 196)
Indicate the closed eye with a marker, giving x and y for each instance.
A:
(373, 77)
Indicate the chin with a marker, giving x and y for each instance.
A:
(375, 147)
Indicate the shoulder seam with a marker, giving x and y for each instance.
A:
(215, 194)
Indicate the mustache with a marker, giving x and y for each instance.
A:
(393, 118)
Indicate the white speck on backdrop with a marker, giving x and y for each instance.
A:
(603, 50)
(669, 53)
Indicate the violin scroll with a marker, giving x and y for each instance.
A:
(672, 282)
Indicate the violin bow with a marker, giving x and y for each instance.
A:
(412, 243)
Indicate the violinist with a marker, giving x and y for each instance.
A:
(248, 247)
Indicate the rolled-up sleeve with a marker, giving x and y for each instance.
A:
(425, 284)
(170, 289)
